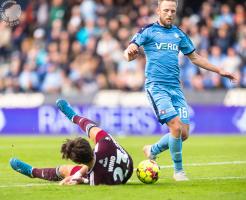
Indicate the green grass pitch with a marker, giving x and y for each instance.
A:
(216, 166)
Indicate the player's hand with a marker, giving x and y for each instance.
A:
(71, 181)
(132, 49)
(67, 181)
(228, 75)
(131, 52)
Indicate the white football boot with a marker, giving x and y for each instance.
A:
(180, 176)
(147, 152)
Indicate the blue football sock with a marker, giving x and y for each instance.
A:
(161, 145)
(175, 146)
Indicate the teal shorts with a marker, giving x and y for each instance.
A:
(167, 102)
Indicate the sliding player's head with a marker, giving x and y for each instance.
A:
(167, 11)
(78, 150)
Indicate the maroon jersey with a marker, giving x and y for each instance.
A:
(113, 165)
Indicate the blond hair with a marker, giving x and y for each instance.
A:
(160, 1)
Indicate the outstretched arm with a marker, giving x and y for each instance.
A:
(77, 178)
(131, 52)
(204, 63)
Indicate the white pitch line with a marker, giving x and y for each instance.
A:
(204, 178)
(27, 185)
(220, 178)
(239, 162)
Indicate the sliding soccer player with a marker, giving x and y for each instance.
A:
(108, 163)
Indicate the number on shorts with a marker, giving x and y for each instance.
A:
(183, 112)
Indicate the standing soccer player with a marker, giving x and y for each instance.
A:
(107, 164)
(162, 42)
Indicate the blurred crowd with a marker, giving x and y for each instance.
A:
(77, 46)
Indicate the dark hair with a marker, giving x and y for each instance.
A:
(78, 150)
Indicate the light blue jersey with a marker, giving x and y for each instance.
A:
(161, 46)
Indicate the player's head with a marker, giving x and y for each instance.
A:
(167, 11)
(78, 150)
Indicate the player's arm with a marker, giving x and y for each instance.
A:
(139, 39)
(131, 52)
(205, 64)
(77, 178)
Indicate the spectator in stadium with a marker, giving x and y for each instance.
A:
(161, 42)
(57, 11)
(225, 17)
(52, 82)
(107, 164)
(11, 78)
(28, 78)
(5, 38)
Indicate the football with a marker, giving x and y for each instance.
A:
(148, 171)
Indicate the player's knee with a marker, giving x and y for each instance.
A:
(175, 127)
(177, 130)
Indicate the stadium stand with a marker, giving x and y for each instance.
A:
(71, 47)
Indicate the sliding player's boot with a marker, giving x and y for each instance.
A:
(21, 167)
(65, 107)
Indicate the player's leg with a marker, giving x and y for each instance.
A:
(162, 105)
(180, 105)
(161, 99)
(179, 128)
(85, 124)
(72, 174)
(162, 144)
(151, 151)
(50, 174)
(68, 170)
(185, 131)
(175, 146)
